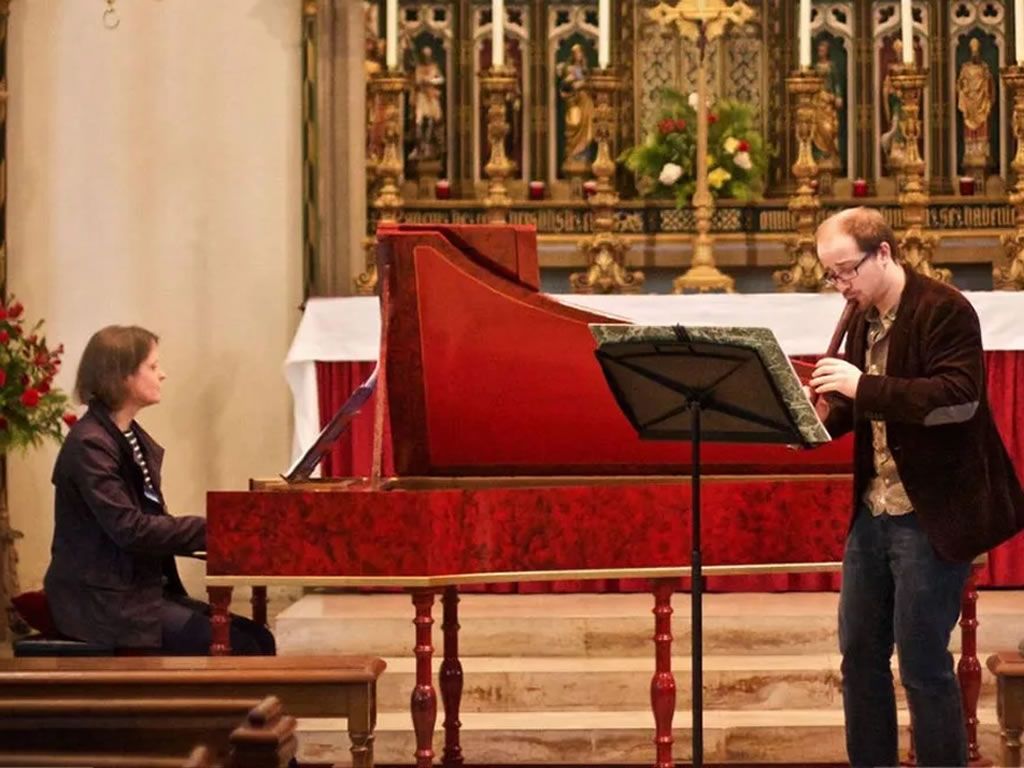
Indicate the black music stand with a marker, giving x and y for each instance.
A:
(730, 385)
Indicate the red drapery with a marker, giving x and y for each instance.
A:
(352, 456)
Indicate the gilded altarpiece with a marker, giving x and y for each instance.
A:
(551, 49)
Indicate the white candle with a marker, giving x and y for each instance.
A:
(391, 34)
(1018, 29)
(805, 33)
(604, 33)
(907, 31)
(498, 33)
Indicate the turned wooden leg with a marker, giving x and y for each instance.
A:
(259, 605)
(663, 684)
(968, 670)
(424, 698)
(362, 714)
(451, 679)
(220, 622)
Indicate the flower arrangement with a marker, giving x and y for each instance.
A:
(31, 409)
(665, 164)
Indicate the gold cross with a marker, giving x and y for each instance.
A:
(690, 15)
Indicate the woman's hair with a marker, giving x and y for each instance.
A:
(112, 355)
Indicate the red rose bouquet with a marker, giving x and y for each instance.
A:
(31, 409)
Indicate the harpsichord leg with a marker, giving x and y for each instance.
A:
(424, 698)
(259, 605)
(663, 684)
(451, 679)
(220, 622)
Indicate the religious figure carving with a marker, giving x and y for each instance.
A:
(975, 90)
(828, 103)
(376, 109)
(894, 143)
(579, 112)
(429, 116)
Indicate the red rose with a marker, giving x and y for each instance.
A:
(712, 118)
(24, 380)
(70, 419)
(667, 125)
(4, 337)
(15, 309)
(43, 387)
(32, 339)
(30, 398)
(3, 377)
(42, 359)
(3, 313)
(743, 146)
(680, 124)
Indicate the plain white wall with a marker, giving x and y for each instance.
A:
(154, 178)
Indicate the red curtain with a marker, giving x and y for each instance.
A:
(352, 456)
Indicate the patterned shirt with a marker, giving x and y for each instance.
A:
(885, 493)
(140, 459)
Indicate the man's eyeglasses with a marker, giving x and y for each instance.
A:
(832, 277)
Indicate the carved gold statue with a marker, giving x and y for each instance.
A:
(429, 116)
(894, 144)
(827, 103)
(975, 92)
(579, 113)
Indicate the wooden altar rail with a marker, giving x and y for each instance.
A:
(115, 733)
(1008, 667)
(663, 685)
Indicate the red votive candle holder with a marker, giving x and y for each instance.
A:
(536, 190)
(966, 185)
(442, 189)
(860, 188)
(589, 188)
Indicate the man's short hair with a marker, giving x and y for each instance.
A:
(866, 226)
(112, 355)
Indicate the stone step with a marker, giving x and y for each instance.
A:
(590, 625)
(504, 684)
(741, 737)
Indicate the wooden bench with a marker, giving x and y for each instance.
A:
(1008, 667)
(266, 737)
(216, 687)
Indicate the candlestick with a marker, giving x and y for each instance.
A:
(391, 34)
(498, 33)
(805, 33)
(907, 31)
(604, 33)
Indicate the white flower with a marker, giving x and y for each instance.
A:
(731, 144)
(742, 160)
(670, 174)
(692, 100)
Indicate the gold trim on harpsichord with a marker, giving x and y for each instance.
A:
(502, 577)
(317, 485)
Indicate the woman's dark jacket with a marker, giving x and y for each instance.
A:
(112, 554)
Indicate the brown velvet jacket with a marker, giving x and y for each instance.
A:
(933, 400)
(112, 547)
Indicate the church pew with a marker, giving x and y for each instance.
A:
(266, 737)
(135, 688)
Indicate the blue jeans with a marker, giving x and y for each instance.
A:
(896, 588)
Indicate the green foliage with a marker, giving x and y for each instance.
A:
(31, 409)
(734, 143)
